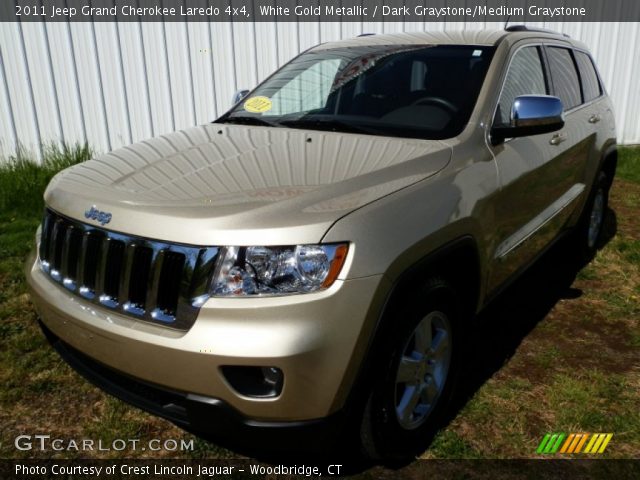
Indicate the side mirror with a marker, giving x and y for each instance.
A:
(239, 95)
(530, 115)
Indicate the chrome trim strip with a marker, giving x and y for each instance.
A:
(527, 231)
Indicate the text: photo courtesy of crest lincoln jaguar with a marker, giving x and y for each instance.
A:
(307, 266)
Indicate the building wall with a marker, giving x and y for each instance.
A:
(113, 84)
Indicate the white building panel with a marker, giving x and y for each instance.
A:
(156, 53)
(90, 86)
(136, 88)
(112, 77)
(18, 90)
(43, 89)
(65, 77)
(113, 84)
(202, 72)
(180, 75)
(224, 63)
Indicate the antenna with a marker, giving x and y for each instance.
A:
(507, 21)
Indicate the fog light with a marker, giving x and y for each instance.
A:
(256, 382)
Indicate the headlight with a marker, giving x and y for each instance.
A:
(277, 270)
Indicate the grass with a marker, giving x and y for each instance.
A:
(578, 369)
(629, 164)
(574, 367)
(23, 180)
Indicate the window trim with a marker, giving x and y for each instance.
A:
(603, 90)
(542, 43)
(503, 79)
(577, 70)
(597, 72)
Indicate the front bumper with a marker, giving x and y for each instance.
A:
(317, 340)
(207, 416)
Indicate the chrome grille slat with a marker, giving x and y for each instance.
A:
(150, 280)
(201, 279)
(64, 260)
(55, 250)
(171, 278)
(92, 259)
(125, 275)
(67, 264)
(139, 281)
(111, 274)
(157, 262)
(45, 241)
(101, 266)
(81, 260)
(74, 253)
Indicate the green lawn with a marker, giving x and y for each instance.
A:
(566, 361)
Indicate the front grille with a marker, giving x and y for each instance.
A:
(150, 280)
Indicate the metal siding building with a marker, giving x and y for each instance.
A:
(112, 84)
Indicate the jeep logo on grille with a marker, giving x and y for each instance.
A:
(94, 214)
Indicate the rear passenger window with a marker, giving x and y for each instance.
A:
(565, 77)
(590, 83)
(525, 77)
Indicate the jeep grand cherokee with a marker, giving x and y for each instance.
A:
(312, 259)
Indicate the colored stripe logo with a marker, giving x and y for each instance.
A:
(594, 443)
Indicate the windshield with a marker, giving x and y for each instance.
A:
(394, 90)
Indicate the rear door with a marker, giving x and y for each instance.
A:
(596, 117)
(538, 174)
(578, 87)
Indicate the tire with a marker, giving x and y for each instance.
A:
(422, 355)
(587, 238)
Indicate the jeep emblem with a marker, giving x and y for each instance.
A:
(94, 214)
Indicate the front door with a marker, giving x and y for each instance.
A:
(538, 174)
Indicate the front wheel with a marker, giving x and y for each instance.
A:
(409, 398)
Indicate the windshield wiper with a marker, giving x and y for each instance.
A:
(330, 124)
(247, 120)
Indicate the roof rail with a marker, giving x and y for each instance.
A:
(524, 28)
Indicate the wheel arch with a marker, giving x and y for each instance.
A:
(458, 263)
(609, 162)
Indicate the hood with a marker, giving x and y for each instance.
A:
(221, 184)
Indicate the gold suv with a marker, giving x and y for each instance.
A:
(309, 261)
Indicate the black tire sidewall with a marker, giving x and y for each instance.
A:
(585, 251)
(390, 439)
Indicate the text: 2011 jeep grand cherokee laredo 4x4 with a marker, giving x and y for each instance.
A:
(315, 253)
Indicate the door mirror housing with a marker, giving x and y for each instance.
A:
(530, 115)
(238, 96)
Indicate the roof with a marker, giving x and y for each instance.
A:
(457, 37)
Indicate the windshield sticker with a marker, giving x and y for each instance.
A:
(258, 104)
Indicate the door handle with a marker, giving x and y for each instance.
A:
(558, 138)
(594, 118)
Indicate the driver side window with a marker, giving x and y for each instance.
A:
(525, 77)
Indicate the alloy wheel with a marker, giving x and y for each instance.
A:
(423, 369)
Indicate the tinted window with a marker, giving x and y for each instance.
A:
(293, 97)
(418, 91)
(565, 77)
(590, 83)
(525, 77)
